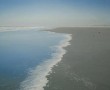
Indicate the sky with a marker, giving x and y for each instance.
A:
(54, 13)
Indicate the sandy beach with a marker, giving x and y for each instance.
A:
(86, 65)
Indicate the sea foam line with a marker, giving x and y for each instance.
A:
(8, 29)
(37, 77)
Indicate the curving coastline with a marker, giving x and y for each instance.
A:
(36, 79)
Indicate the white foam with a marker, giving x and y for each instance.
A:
(5, 29)
(37, 77)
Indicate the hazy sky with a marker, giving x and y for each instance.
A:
(49, 13)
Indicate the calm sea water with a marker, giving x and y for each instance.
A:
(22, 53)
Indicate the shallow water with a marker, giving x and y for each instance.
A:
(22, 52)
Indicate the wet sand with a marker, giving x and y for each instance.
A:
(86, 65)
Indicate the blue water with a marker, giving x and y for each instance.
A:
(21, 51)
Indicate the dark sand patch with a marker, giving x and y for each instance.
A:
(86, 65)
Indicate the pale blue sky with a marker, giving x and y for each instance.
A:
(54, 13)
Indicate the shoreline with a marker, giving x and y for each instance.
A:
(85, 66)
(32, 82)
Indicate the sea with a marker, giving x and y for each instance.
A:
(27, 56)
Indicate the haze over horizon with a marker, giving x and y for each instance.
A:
(55, 13)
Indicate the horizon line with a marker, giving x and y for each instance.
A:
(59, 26)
